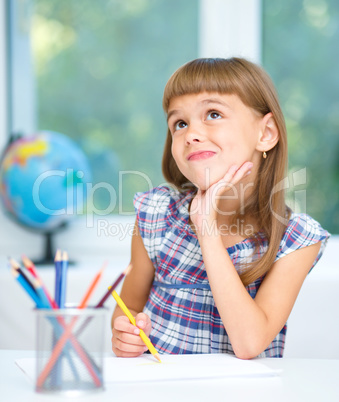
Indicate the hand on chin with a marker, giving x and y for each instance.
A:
(207, 179)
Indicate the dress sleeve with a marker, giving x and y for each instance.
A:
(151, 210)
(302, 231)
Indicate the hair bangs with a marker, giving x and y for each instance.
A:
(201, 75)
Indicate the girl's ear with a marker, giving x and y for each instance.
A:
(269, 134)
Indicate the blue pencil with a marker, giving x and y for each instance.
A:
(58, 277)
(26, 286)
(16, 265)
(63, 279)
(56, 378)
(41, 293)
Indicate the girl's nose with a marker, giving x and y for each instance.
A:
(193, 135)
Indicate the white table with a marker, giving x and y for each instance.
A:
(310, 380)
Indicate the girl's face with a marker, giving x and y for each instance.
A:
(210, 132)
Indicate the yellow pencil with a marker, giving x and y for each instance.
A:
(142, 334)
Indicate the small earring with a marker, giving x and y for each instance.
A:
(264, 155)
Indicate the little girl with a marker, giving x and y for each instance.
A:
(219, 259)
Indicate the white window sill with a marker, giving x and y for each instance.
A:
(106, 236)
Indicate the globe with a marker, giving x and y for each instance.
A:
(43, 180)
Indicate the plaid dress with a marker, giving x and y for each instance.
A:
(184, 316)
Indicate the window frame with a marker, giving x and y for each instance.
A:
(4, 93)
(231, 28)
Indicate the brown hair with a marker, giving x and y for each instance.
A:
(255, 89)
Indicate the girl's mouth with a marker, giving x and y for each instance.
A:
(199, 155)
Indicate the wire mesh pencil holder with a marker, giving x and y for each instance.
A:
(69, 350)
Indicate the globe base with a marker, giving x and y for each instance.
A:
(49, 252)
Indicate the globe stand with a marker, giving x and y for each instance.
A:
(49, 253)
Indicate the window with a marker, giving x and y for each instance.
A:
(95, 71)
(300, 43)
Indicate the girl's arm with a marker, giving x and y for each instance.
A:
(252, 324)
(135, 291)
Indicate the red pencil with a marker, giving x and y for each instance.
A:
(29, 266)
(113, 286)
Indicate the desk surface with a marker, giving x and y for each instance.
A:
(300, 380)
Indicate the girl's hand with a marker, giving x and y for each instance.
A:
(126, 341)
(204, 207)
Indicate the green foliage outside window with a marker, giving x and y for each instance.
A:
(300, 52)
(101, 67)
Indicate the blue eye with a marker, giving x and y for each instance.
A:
(213, 116)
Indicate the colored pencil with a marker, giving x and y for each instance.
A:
(105, 297)
(68, 332)
(44, 301)
(58, 277)
(33, 295)
(29, 266)
(63, 279)
(32, 269)
(16, 265)
(113, 286)
(91, 288)
(142, 334)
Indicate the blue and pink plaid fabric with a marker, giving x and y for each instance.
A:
(181, 305)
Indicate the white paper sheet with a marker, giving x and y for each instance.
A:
(173, 367)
